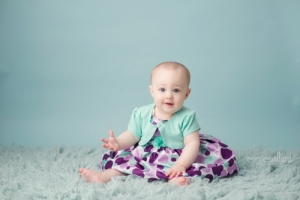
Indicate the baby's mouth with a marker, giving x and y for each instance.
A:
(169, 104)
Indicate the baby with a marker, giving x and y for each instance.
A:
(162, 141)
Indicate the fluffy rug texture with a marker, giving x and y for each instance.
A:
(52, 173)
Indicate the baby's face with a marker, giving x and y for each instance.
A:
(169, 89)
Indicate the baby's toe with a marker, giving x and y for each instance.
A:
(183, 181)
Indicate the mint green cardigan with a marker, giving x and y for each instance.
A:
(182, 123)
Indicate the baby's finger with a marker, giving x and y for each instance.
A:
(111, 133)
(178, 173)
(104, 140)
(172, 175)
(112, 148)
(168, 173)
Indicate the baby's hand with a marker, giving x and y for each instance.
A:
(111, 143)
(175, 171)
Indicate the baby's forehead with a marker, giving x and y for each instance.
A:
(176, 78)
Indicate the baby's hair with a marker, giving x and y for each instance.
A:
(174, 66)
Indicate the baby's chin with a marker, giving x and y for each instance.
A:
(173, 111)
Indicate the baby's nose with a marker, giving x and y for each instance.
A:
(169, 95)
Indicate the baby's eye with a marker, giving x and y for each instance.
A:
(176, 90)
(162, 89)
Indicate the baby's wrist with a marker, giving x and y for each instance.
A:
(182, 165)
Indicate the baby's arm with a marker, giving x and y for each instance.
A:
(188, 155)
(123, 141)
(126, 139)
(190, 150)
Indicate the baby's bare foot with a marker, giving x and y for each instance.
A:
(93, 176)
(179, 181)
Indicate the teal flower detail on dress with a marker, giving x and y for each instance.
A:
(158, 142)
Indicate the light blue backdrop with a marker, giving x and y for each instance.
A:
(72, 70)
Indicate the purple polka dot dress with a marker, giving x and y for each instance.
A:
(153, 160)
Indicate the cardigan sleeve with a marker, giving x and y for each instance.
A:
(190, 124)
(134, 125)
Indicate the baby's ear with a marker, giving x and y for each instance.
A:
(151, 90)
(188, 93)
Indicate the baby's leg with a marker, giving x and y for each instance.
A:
(179, 181)
(101, 177)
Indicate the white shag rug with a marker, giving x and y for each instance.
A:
(51, 173)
